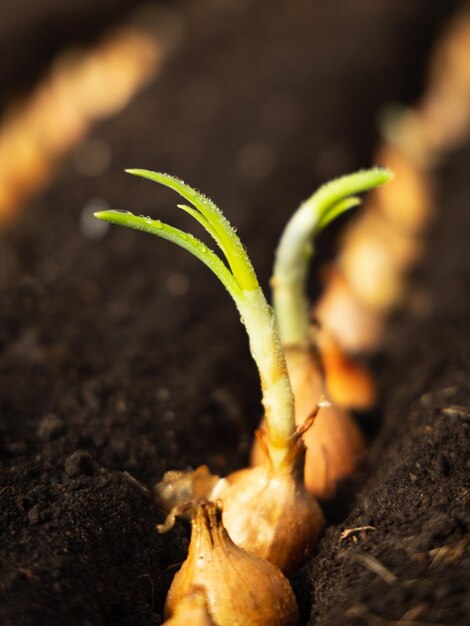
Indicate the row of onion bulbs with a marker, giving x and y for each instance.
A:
(238, 579)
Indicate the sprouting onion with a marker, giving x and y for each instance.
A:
(267, 509)
(239, 278)
(315, 363)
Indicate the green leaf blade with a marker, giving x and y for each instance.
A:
(221, 229)
(340, 188)
(296, 247)
(337, 210)
(184, 240)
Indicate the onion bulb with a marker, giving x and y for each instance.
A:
(268, 510)
(356, 327)
(241, 588)
(191, 610)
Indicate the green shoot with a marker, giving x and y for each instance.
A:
(296, 248)
(239, 278)
(211, 217)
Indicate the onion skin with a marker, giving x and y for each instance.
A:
(348, 384)
(406, 200)
(270, 512)
(178, 487)
(371, 273)
(334, 442)
(403, 248)
(334, 446)
(356, 327)
(191, 611)
(445, 111)
(378, 249)
(241, 588)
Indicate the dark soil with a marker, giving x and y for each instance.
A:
(121, 357)
(38, 31)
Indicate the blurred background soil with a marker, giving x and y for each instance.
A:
(121, 357)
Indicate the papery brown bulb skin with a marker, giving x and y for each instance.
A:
(371, 273)
(445, 109)
(406, 200)
(348, 385)
(241, 588)
(191, 610)
(334, 447)
(402, 248)
(334, 442)
(381, 244)
(357, 327)
(178, 487)
(270, 513)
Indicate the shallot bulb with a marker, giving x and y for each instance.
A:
(191, 610)
(241, 588)
(334, 442)
(268, 510)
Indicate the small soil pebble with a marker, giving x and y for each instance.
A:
(78, 463)
(50, 428)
